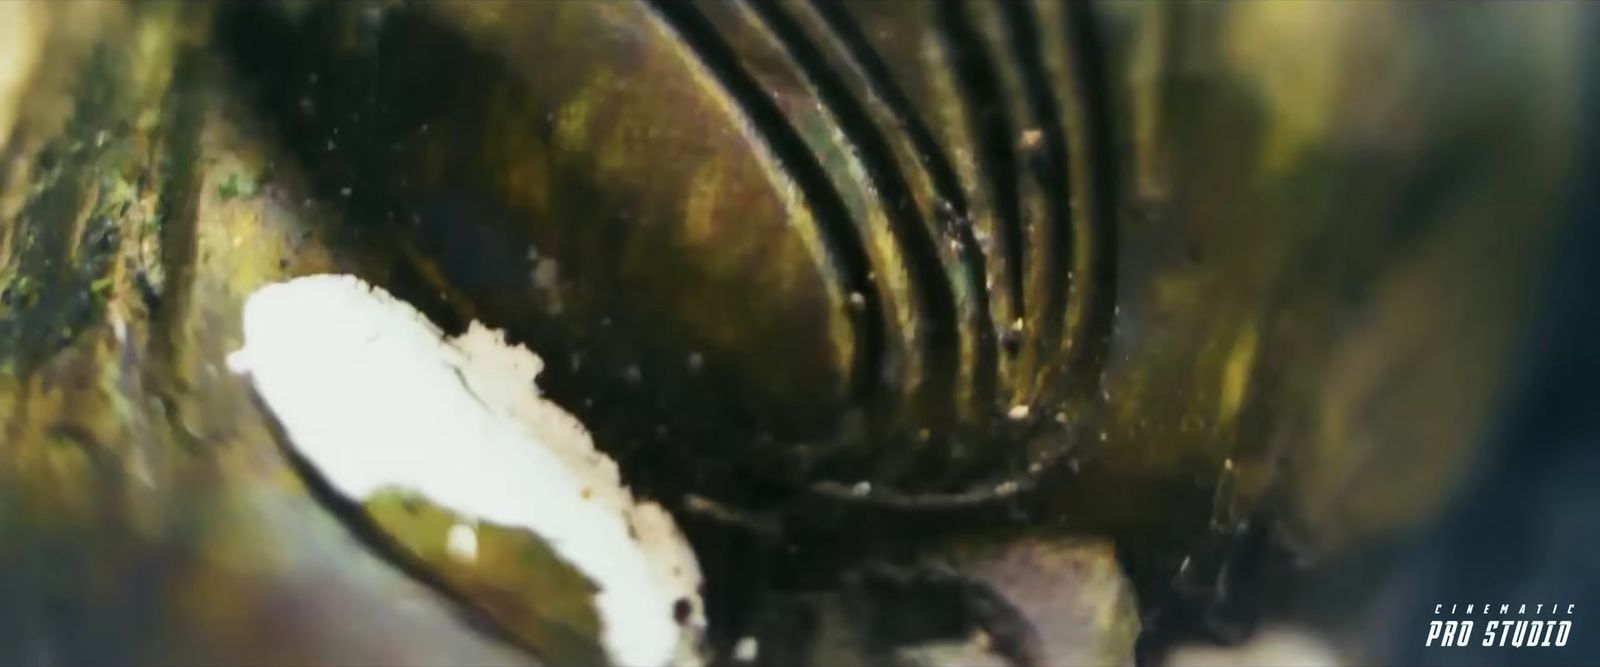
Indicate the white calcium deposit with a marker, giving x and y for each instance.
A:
(373, 396)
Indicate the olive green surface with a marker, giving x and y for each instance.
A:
(1273, 260)
(146, 513)
(511, 575)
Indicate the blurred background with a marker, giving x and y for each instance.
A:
(1296, 300)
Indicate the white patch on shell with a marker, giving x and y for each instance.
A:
(373, 396)
(746, 650)
(461, 542)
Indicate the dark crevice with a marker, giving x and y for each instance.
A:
(954, 219)
(1100, 200)
(179, 203)
(882, 84)
(179, 208)
(846, 249)
(939, 324)
(1049, 166)
(993, 136)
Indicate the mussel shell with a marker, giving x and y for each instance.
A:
(748, 235)
(1330, 220)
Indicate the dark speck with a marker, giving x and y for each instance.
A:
(1011, 341)
(681, 610)
(147, 292)
(410, 506)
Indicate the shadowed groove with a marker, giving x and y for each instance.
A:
(1089, 76)
(940, 171)
(1049, 168)
(951, 211)
(1088, 231)
(993, 135)
(845, 248)
(939, 323)
(882, 84)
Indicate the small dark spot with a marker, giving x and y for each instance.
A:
(283, 264)
(47, 159)
(681, 610)
(106, 238)
(147, 292)
(1011, 341)
(410, 506)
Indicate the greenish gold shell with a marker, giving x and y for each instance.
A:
(1327, 217)
(514, 577)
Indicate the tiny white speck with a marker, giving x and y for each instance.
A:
(861, 488)
(462, 543)
(345, 191)
(1017, 413)
(857, 301)
(746, 649)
